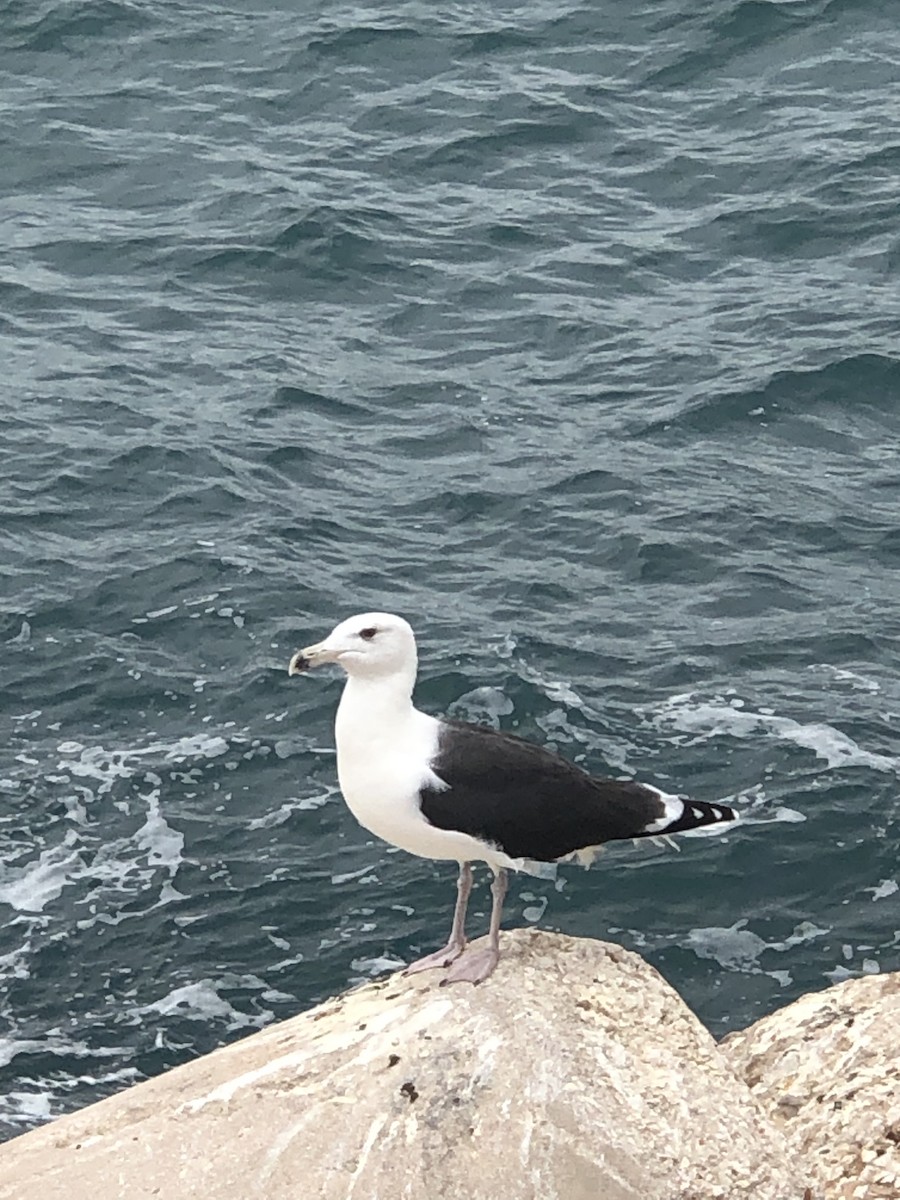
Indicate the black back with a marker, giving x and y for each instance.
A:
(528, 801)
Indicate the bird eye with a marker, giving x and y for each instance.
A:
(368, 634)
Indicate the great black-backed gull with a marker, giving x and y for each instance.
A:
(445, 789)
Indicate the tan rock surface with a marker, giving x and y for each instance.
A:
(827, 1071)
(575, 1072)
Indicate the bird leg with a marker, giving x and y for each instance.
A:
(477, 965)
(457, 942)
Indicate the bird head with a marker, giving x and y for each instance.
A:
(372, 645)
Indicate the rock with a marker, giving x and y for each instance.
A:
(827, 1071)
(575, 1072)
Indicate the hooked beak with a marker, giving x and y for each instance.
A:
(312, 656)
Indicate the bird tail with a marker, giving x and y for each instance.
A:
(689, 816)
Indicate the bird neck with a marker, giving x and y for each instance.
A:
(372, 703)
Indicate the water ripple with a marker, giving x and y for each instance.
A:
(573, 340)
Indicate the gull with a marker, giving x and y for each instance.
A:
(449, 790)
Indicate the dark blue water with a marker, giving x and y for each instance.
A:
(568, 331)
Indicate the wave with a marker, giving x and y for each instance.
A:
(845, 388)
(55, 24)
(718, 717)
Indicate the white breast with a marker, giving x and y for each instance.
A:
(383, 759)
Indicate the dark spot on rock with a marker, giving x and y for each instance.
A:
(849, 1022)
(393, 1059)
(408, 1090)
(582, 1004)
(362, 1025)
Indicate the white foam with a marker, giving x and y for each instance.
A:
(560, 691)
(127, 863)
(29, 1107)
(487, 704)
(48, 1095)
(163, 844)
(32, 887)
(106, 766)
(737, 948)
(94, 762)
(11, 1047)
(201, 1001)
(14, 965)
(108, 851)
(279, 815)
(859, 683)
(198, 745)
(378, 965)
(536, 910)
(362, 873)
(887, 887)
(718, 717)
(868, 966)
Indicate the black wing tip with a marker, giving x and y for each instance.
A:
(699, 813)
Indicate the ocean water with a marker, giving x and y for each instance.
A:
(568, 331)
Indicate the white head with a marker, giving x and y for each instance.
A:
(372, 646)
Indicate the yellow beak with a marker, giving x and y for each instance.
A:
(310, 657)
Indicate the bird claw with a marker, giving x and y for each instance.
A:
(474, 967)
(440, 958)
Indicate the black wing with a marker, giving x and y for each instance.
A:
(528, 801)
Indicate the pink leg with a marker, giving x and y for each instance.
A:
(457, 942)
(477, 965)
